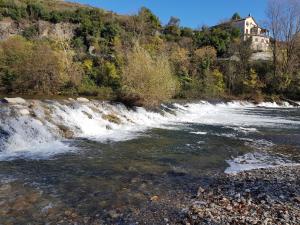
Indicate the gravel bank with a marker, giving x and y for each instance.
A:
(263, 196)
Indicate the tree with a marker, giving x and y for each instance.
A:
(214, 84)
(40, 72)
(236, 16)
(149, 18)
(283, 20)
(243, 50)
(13, 52)
(147, 80)
(203, 58)
(253, 84)
(36, 67)
(220, 38)
(173, 27)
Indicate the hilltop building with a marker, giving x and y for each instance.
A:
(250, 29)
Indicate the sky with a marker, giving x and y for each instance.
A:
(192, 13)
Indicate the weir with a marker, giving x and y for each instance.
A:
(36, 128)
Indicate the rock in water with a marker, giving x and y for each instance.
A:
(24, 112)
(83, 100)
(17, 100)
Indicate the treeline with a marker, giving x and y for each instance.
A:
(134, 59)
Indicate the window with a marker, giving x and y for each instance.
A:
(256, 39)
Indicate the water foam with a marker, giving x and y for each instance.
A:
(43, 129)
(256, 160)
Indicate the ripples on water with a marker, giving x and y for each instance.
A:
(96, 155)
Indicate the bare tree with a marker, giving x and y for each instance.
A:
(284, 23)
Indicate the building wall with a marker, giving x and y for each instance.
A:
(260, 42)
(249, 23)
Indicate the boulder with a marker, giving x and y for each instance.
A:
(83, 100)
(112, 118)
(71, 99)
(17, 100)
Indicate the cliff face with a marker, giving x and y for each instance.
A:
(9, 27)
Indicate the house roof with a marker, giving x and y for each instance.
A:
(238, 20)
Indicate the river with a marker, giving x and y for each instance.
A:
(66, 161)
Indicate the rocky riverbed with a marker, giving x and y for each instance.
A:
(263, 196)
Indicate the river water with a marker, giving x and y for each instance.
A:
(101, 163)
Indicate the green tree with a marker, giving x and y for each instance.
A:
(214, 84)
(253, 84)
(236, 16)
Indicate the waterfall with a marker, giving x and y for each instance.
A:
(43, 128)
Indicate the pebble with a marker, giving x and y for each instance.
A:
(265, 204)
(154, 198)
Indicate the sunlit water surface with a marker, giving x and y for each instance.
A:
(107, 166)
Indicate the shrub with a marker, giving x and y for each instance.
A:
(147, 80)
(40, 72)
(89, 88)
(13, 52)
(35, 67)
(35, 11)
(31, 32)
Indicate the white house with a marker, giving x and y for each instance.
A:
(250, 29)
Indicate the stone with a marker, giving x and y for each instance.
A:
(24, 112)
(200, 191)
(17, 100)
(229, 208)
(68, 213)
(112, 118)
(67, 133)
(297, 199)
(88, 115)
(238, 195)
(154, 198)
(82, 100)
(113, 214)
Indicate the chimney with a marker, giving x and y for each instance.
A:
(250, 15)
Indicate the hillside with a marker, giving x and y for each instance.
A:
(98, 53)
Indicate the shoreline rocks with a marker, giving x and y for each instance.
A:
(263, 196)
(82, 100)
(16, 100)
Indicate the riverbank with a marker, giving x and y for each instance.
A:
(263, 196)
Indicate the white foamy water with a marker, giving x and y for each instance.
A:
(199, 133)
(39, 129)
(256, 160)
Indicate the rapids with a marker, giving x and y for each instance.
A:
(45, 129)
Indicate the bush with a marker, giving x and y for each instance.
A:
(147, 80)
(35, 67)
(31, 32)
(35, 11)
(89, 88)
